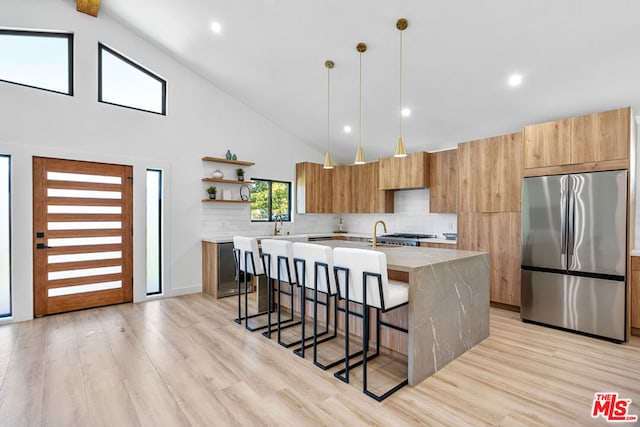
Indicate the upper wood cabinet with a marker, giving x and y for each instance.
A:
(314, 185)
(490, 174)
(355, 190)
(398, 173)
(343, 189)
(443, 181)
(547, 144)
(599, 137)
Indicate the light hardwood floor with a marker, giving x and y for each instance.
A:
(182, 361)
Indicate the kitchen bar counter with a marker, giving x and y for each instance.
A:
(448, 302)
(316, 236)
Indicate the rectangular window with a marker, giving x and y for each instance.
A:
(5, 236)
(40, 60)
(270, 200)
(154, 231)
(124, 83)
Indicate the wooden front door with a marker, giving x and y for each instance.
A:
(82, 235)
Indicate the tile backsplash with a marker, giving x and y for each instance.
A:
(411, 215)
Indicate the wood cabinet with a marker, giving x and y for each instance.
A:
(398, 173)
(343, 189)
(443, 181)
(592, 140)
(438, 245)
(490, 174)
(499, 235)
(314, 186)
(547, 144)
(635, 295)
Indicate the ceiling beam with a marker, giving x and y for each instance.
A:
(90, 7)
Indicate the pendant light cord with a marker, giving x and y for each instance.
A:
(360, 105)
(328, 108)
(401, 83)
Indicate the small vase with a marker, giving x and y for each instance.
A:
(217, 174)
(240, 177)
(234, 157)
(228, 155)
(212, 196)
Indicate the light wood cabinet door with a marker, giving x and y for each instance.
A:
(499, 235)
(397, 173)
(601, 136)
(547, 144)
(490, 174)
(313, 188)
(443, 181)
(355, 190)
(342, 190)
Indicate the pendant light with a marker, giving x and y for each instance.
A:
(361, 48)
(401, 151)
(328, 162)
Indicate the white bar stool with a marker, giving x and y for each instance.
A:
(277, 256)
(361, 276)
(314, 267)
(247, 256)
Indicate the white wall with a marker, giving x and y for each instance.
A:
(201, 120)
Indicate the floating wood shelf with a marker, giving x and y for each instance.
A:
(226, 201)
(233, 162)
(227, 181)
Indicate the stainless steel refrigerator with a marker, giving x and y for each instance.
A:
(574, 252)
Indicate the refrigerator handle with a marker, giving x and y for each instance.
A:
(571, 219)
(563, 223)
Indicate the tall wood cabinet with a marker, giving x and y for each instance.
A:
(489, 203)
(443, 181)
(490, 174)
(635, 295)
(600, 140)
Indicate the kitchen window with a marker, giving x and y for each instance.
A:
(40, 60)
(270, 200)
(124, 83)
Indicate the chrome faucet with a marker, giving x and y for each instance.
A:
(375, 238)
(276, 231)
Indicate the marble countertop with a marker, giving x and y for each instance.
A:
(407, 258)
(307, 236)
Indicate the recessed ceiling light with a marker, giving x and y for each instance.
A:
(216, 27)
(515, 80)
(406, 112)
(347, 129)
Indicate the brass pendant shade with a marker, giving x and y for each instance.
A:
(361, 48)
(401, 151)
(328, 161)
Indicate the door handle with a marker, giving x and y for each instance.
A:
(42, 246)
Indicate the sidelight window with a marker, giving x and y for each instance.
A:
(154, 231)
(5, 236)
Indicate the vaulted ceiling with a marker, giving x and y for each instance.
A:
(575, 56)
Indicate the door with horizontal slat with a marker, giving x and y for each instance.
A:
(82, 235)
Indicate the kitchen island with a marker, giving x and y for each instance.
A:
(448, 310)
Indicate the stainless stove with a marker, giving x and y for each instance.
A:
(403, 239)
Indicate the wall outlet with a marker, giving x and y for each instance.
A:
(450, 226)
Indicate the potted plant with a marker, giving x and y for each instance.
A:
(240, 173)
(212, 192)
